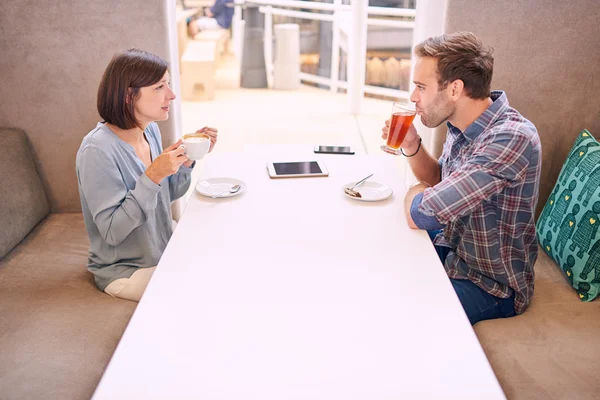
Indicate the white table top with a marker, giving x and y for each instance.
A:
(293, 291)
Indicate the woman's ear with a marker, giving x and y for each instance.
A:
(129, 97)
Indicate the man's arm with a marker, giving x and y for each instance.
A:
(408, 200)
(416, 219)
(423, 165)
(500, 161)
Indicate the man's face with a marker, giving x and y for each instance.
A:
(434, 106)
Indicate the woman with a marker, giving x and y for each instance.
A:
(126, 181)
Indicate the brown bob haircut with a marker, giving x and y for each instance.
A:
(127, 72)
(461, 55)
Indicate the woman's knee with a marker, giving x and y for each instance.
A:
(131, 288)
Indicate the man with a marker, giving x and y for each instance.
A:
(218, 16)
(478, 200)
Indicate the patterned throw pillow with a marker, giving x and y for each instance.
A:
(568, 227)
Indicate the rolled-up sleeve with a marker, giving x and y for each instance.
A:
(422, 221)
(116, 211)
(499, 162)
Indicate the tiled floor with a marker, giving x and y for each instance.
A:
(305, 116)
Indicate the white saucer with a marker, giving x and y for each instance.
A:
(213, 186)
(369, 191)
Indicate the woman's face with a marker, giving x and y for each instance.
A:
(154, 102)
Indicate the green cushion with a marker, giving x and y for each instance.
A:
(568, 226)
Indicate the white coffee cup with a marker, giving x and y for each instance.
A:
(196, 147)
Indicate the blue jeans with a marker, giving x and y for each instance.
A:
(478, 304)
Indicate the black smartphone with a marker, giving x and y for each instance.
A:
(334, 149)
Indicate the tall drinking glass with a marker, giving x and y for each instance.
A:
(403, 115)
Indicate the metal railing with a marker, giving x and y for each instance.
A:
(342, 25)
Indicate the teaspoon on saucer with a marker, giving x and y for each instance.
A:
(233, 189)
(351, 192)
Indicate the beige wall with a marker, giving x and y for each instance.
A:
(53, 54)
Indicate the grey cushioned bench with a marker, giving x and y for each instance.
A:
(57, 330)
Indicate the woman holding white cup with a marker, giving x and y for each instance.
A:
(126, 180)
(198, 144)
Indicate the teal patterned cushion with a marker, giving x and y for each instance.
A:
(568, 227)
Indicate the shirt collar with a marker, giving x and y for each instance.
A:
(499, 104)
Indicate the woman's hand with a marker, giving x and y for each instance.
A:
(212, 133)
(167, 163)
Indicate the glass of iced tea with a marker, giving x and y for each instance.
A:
(402, 117)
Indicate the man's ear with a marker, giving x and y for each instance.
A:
(456, 88)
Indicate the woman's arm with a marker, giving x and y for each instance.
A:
(116, 211)
(179, 183)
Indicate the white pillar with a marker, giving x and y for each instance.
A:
(268, 39)
(237, 34)
(286, 69)
(430, 21)
(335, 48)
(175, 115)
(357, 55)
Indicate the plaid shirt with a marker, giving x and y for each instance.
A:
(487, 199)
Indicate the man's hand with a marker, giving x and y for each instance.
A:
(411, 140)
(167, 163)
(208, 13)
(414, 190)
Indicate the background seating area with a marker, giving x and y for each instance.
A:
(199, 57)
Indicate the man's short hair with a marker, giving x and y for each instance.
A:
(461, 55)
(119, 88)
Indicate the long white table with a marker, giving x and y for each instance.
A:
(293, 291)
